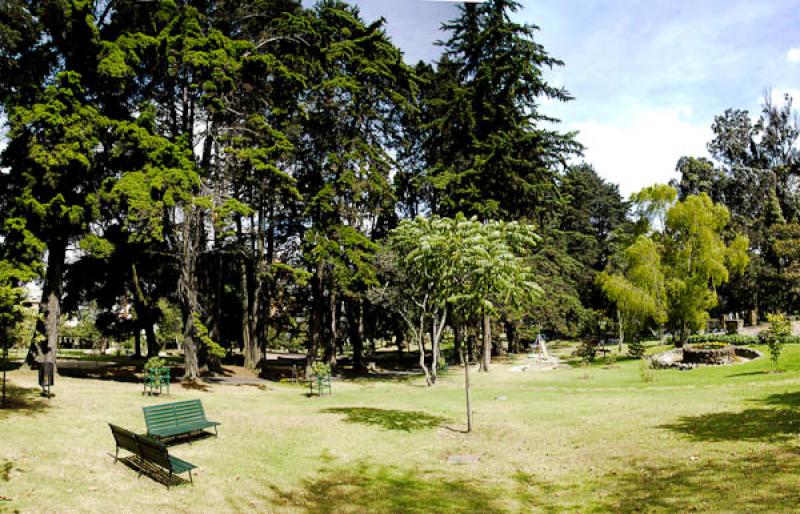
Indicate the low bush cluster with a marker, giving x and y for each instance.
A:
(737, 339)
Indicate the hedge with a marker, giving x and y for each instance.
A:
(736, 339)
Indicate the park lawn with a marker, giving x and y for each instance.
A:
(722, 439)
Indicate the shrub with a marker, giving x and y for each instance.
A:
(587, 350)
(636, 348)
(780, 328)
(321, 369)
(738, 339)
(646, 371)
(154, 363)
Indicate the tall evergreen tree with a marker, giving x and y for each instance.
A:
(499, 160)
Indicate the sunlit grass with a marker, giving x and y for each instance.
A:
(710, 439)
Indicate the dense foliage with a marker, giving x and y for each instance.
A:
(243, 176)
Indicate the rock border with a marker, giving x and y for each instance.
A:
(673, 359)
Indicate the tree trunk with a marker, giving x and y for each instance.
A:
(421, 344)
(467, 393)
(399, 337)
(150, 336)
(330, 342)
(486, 354)
(52, 291)
(187, 289)
(684, 334)
(621, 323)
(472, 343)
(511, 336)
(354, 324)
(458, 342)
(137, 342)
(317, 315)
(248, 343)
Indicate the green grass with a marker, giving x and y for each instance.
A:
(719, 439)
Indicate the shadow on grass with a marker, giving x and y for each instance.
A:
(364, 487)
(10, 365)
(406, 421)
(784, 399)
(778, 422)
(759, 482)
(189, 438)
(152, 471)
(99, 371)
(5, 471)
(22, 400)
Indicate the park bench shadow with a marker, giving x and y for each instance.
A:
(366, 487)
(151, 471)
(189, 438)
(388, 419)
(23, 400)
(777, 420)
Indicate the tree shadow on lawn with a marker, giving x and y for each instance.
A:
(779, 422)
(406, 421)
(757, 482)
(364, 487)
(22, 400)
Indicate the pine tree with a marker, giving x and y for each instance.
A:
(499, 160)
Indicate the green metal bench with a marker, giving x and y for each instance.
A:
(175, 419)
(317, 384)
(150, 451)
(155, 379)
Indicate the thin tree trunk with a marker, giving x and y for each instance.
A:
(421, 344)
(467, 393)
(458, 341)
(437, 327)
(330, 342)
(486, 356)
(137, 342)
(621, 323)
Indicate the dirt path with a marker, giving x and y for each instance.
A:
(753, 331)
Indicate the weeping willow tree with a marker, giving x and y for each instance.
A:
(637, 287)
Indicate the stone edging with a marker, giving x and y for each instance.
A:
(673, 359)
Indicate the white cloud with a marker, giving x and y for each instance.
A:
(793, 54)
(642, 146)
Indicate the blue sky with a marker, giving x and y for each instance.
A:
(647, 76)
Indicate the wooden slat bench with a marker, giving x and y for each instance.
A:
(147, 450)
(178, 418)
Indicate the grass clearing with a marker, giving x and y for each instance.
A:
(721, 439)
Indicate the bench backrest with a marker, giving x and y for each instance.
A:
(168, 415)
(125, 439)
(153, 451)
(188, 412)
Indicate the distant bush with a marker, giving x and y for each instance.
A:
(737, 339)
(734, 339)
